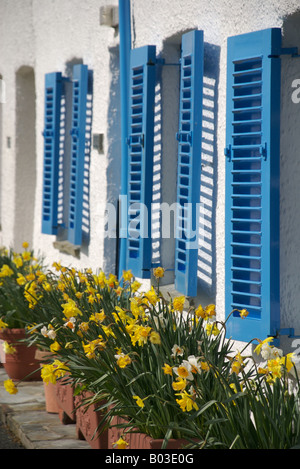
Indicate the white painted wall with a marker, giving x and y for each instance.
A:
(47, 34)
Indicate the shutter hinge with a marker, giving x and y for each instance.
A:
(263, 151)
(74, 132)
(136, 140)
(227, 152)
(289, 331)
(47, 133)
(292, 51)
(184, 137)
(163, 62)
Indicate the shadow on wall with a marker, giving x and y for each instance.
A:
(165, 161)
(208, 183)
(290, 177)
(25, 175)
(113, 172)
(65, 159)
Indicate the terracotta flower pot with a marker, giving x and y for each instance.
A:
(22, 364)
(135, 440)
(65, 401)
(87, 422)
(179, 443)
(52, 406)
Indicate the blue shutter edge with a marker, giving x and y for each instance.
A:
(189, 157)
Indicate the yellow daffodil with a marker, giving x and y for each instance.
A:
(47, 286)
(186, 402)
(237, 364)
(210, 310)
(48, 374)
(10, 387)
(204, 366)
(70, 309)
(261, 343)
(98, 317)
(178, 303)
(18, 261)
(112, 281)
(6, 271)
(275, 367)
(100, 279)
(179, 384)
(21, 280)
(151, 297)
(158, 272)
(123, 360)
(120, 444)
(127, 275)
(8, 348)
(200, 312)
(54, 347)
(155, 338)
(60, 368)
(91, 347)
(26, 255)
(167, 369)
(135, 286)
(31, 294)
(140, 335)
(136, 309)
(84, 326)
(212, 329)
(243, 313)
(288, 361)
(139, 401)
(108, 331)
(3, 324)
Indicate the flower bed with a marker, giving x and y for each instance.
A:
(158, 369)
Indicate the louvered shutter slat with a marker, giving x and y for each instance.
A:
(51, 133)
(140, 159)
(78, 149)
(189, 161)
(252, 184)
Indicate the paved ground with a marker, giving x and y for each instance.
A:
(25, 423)
(8, 440)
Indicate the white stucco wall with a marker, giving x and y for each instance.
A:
(47, 34)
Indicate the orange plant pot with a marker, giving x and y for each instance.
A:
(22, 364)
(172, 443)
(135, 440)
(52, 406)
(87, 423)
(65, 401)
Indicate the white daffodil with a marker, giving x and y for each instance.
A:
(184, 370)
(176, 350)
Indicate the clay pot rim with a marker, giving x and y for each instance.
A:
(13, 332)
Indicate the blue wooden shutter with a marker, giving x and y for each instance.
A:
(189, 162)
(140, 159)
(252, 184)
(51, 133)
(78, 146)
